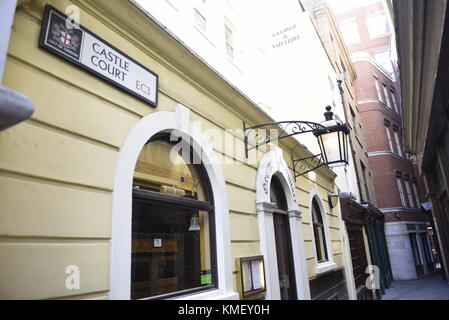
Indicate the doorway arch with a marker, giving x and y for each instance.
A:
(272, 165)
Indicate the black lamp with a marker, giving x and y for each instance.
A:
(333, 140)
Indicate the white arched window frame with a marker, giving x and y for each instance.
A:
(146, 128)
(325, 266)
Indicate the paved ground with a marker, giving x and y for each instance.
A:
(429, 288)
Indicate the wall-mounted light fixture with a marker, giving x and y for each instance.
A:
(332, 136)
(333, 199)
(333, 140)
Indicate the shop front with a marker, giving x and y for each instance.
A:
(145, 190)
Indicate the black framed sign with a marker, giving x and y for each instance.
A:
(74, 43)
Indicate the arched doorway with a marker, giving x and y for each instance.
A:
(281, 229)
(284, 253)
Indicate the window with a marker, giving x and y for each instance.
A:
(173, 247)
(390, 143)
(386, 95)
(365, 182)
(378, 25)
(393, 98)
(199, 12)
(415, 250)
(409, 194)
(318, 231)
(401, 191)
(398, 143)
(383, 58)
(376, 83)
(350, 32)
(415, 191)
(229, 39)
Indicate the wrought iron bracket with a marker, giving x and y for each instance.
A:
(261, 135)
(305, 165)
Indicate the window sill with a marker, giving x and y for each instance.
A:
(325, 267)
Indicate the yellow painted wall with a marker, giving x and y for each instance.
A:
(57, 168)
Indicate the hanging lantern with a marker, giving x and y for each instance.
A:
(333, 140)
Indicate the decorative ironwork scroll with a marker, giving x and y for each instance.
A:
(267, 133)
(306, 165)
(264, 134)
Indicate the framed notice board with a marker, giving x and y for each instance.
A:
(251, 277)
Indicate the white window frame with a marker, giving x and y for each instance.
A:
(200, 9)
(398, 143)
(393, 98)
(390, 142)
(387, 95)
(231, 43)
(401, 191)
(388, 68)
(147, 127)
(377, 85)
(409, 194)
(370, 31)
(325, 266)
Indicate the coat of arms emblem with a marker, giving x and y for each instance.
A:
(67, 37)
(63, 36)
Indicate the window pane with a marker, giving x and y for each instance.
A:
(395, 104)
(350, 32)
(171, 238)
(383, 58)
(401, 191)
(387, 96)
(200, 14)
(409, 194)
(229, 39)
(377, 25)
(415, 190)
(277, 194)
(318, 230)
(398, 143)
(166, 256)
(376, 83)
(161, 169)
(390, 143)
(200, 20)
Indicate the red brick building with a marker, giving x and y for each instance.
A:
(398, 188)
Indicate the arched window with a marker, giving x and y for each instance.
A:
(173, 240)
(319, 232)
(277, 194)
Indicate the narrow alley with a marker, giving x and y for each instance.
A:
(428, 288)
